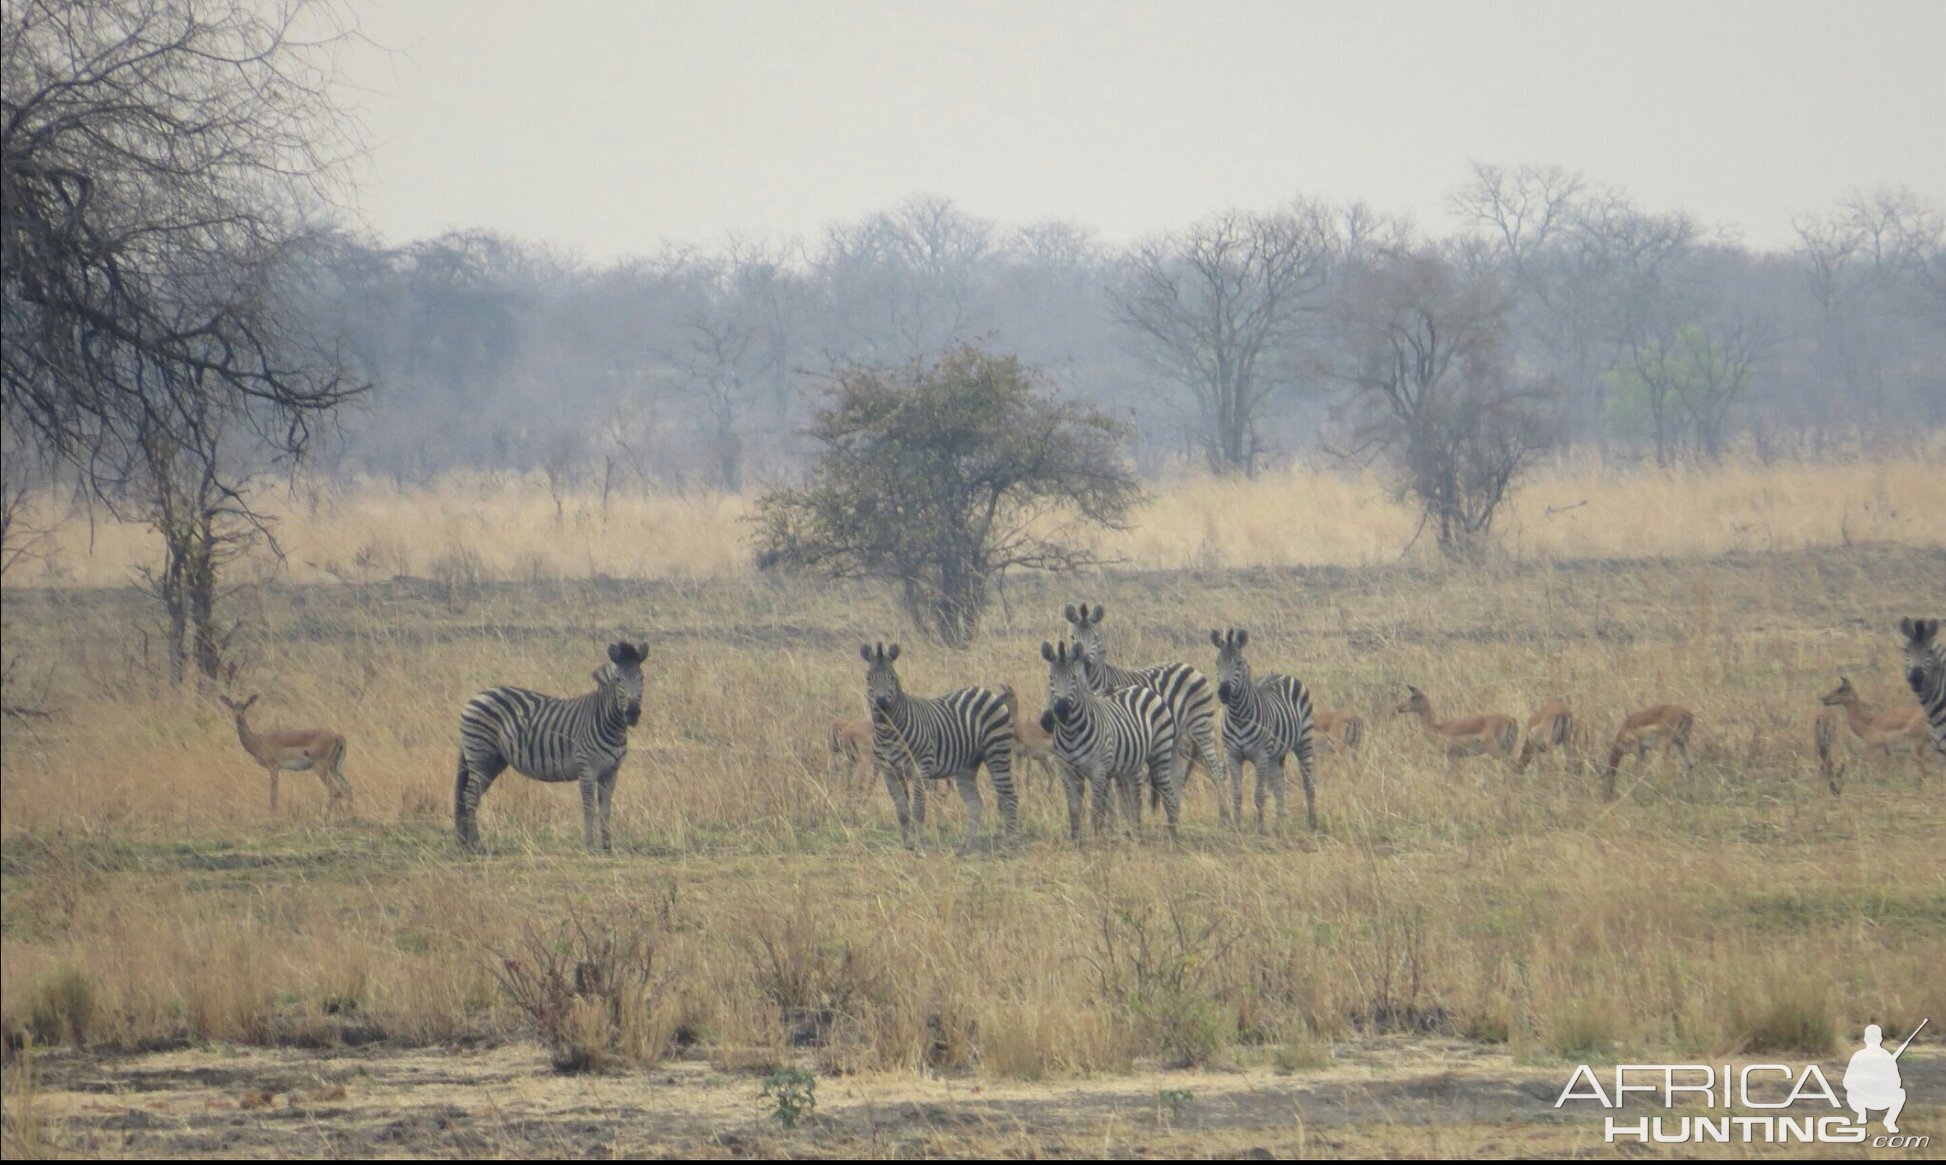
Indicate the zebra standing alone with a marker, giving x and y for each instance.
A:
(1925, 671)
(1263, 722)
(1182, 688)
(1112, 739)
(950, 736)
(551, 739)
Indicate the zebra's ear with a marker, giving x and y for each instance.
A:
(642, 651)
(892, 652)
(1216, 637)
(865, 652)
(1074, 617)
(1100, 610)
(615, 651)
(1243, 637)
(1047, 649)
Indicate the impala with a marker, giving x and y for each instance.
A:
(848, 740)
(1664, 726)
(293, 750)
(1554, 728)
(1900, 730)
(1491, 734)
(1341, 732)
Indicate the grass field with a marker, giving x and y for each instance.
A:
(1409, 980)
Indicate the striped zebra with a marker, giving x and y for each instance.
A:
(1114, 739)
(551, 739)
(1264, 720)
(1184, 689)
(1925, 672)
(951, 736)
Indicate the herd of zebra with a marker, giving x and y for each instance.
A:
(1108, 732)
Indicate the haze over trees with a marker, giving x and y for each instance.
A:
(178, 286)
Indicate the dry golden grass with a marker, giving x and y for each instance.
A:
(1739, 910)
(509, 528)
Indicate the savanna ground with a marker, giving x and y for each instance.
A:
(190, 975)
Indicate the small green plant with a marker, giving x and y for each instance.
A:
(1175, 1100)
(795, 1093)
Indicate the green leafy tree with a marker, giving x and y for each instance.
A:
(940, 476)
(1679, 391)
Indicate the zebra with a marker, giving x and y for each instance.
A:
(1114, 738)
(551, 739)
(1184, 689)
(1264, 720)
(1925, 672)
(951, 736)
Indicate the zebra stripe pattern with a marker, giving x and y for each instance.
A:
(551, 739)
(1186, 691)
(1115, 739)
(1264, 721)
(951, 736)
(1925, 673)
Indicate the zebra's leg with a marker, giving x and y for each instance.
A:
(1128, 786)
(1001, 772)
(606, 792)
(969, 792)
(1167, 777)
(1270, 778)
(475, 777)
(587, 783)
(1072, 782)
(1098, 797)
(895, 784)
(1236, 787)
(1202, 740)
(1305, 762)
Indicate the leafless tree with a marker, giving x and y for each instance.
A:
(1433, 393)
(1219, 310)
(159, 162)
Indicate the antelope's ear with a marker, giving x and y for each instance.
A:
(1413, 690)
(1216, 637)
(865, 652)
(1047, 649)
(1100, 610)
(1073, 617)
(892, 652)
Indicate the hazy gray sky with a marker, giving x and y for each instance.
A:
(611, 126)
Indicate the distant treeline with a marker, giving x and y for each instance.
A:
(1234, 342)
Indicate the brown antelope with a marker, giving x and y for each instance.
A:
(1341, 732)
(1491, 734)
(294, 750)
(1035, 744)
(1665, 725)
(1554, 728)
(849, 740)
(1825, 727)
(1900, 730)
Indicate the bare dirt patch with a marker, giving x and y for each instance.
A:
(1381, 1098)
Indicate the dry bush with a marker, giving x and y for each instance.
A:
(592, 989)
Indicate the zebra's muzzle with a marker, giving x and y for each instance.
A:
(1224, 691)
(1916, 680)
(633, 713)
(1047, 721)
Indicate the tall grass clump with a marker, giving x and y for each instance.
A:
(592, 989)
